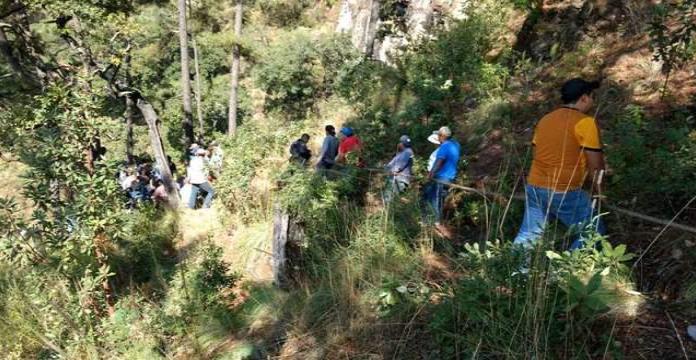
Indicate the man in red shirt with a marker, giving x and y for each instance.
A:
(349, 143)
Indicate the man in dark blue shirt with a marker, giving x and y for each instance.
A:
(329, 150)
(443, 172)
(299, 153)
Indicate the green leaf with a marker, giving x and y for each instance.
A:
(595, 282)
(620, 250)
(551, 255)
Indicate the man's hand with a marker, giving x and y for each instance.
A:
(595, 170)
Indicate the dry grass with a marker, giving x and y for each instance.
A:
(11, 184)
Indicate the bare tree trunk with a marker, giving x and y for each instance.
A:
(234, 72)
(160, 156)
(281, 224)
(129, 130)
(199, 104)
(187, 122)
(129, 116)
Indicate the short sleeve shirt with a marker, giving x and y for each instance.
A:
(351, 143)
(559, 141)
(449, 153)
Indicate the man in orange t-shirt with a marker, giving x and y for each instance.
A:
(567, 155)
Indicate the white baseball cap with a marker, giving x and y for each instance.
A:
(434, 138)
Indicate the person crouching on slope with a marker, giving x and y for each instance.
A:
(299, 153)
(567, 153)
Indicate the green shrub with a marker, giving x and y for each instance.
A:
(283, 13)
(555, 311)
(298, 68)
(245, 155)
(653, 162)
(199, 284)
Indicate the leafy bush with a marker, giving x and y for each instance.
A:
(553, 312)
(672, 32)
(299, 68)
(640, 146)
(442, 69)
(246, 153)
(200, 284)
(282, 13)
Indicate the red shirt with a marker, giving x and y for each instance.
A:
(351, 143)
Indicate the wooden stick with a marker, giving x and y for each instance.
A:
(648, 218)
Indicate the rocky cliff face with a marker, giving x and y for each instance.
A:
(379, 28)
(360, 18)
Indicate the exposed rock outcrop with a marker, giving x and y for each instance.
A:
(377, 37)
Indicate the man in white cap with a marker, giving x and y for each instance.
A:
(434, 138)
(198, 178)
(400, 168)
(443, 172)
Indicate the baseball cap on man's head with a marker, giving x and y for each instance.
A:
(405, 140)
(574, 89)
(347, 131)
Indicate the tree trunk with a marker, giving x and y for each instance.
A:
(199, 104)
(157, 148)
(234, 72)
(187, 122)
(129, 116)
(129, 130)
(281, 224)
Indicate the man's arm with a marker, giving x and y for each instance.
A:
(324, 149)
(436, 168)
(595, 169)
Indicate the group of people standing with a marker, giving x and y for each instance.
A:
(564, 181)
(346, 149)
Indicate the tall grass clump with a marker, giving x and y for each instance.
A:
(564, 307)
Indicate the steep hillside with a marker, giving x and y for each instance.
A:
(86, 272)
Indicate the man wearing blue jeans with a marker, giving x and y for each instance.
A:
(443, 172)
(198, 178)
(567, 155)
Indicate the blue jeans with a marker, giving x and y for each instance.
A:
(434, 195)
(392, 189)
(572, 208)
(195, 188)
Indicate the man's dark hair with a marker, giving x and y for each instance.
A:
(330, 129)
(304, 137)
(574, 89)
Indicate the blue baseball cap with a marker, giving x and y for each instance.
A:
(347, 131)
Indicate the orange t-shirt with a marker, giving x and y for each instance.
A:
(560, 138)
